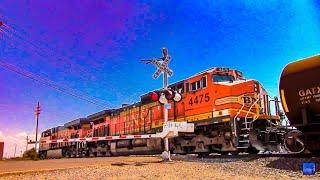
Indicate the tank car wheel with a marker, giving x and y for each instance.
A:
(293, 141)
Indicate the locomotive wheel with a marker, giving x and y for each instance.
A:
(252, 150)
(232, 153)
(223, 153)
(203, 155)
(256, 140)
(42, 156)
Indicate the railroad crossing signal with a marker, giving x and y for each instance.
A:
(161, 66)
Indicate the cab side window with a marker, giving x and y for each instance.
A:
(202, 83)
(193, 86)
(222, 78)
(187, 87)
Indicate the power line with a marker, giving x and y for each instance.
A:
(6, 31)
(19, 38)
(52, 84)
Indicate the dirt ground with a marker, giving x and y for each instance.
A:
(151, 167)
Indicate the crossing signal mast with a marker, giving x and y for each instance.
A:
(166, 94)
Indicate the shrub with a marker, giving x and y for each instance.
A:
(31, 154)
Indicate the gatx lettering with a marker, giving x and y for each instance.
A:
(309, 91)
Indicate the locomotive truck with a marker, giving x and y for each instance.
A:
(221, 103)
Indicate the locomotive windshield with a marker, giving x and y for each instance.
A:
(222, 78)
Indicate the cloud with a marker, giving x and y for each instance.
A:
(1, 136)
(16, 143)
(22, 134)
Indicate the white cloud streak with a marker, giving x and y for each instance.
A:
(16, 144)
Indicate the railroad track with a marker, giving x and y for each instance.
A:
(238, 157)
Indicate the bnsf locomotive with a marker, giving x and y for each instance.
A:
(221, 103)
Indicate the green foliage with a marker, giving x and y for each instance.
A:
(31, 154)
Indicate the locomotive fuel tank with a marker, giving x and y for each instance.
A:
(300, 96)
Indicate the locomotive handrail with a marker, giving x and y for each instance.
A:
(245, 119)
(234, 120)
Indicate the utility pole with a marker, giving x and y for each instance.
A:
(15, 149)
(27, 143)
(37, 112)
(162, 67)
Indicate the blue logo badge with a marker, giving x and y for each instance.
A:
(309, 168)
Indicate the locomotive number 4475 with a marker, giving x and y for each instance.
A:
(199, 99)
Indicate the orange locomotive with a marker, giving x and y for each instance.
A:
(220, 102)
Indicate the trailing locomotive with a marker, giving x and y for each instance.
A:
(221, 103)
(300, 96)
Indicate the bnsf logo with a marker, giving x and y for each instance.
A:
(248, 100)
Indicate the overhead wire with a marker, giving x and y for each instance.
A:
(5, 30)
(29, 43)
(18, 38)
(51, 84)
(42, 51)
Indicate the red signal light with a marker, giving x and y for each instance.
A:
(169, 94)
(1, 23)
(154, 96)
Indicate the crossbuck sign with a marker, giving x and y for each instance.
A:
(161, 64)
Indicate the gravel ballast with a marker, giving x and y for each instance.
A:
(151, 167)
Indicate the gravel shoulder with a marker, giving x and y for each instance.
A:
(151, 167)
